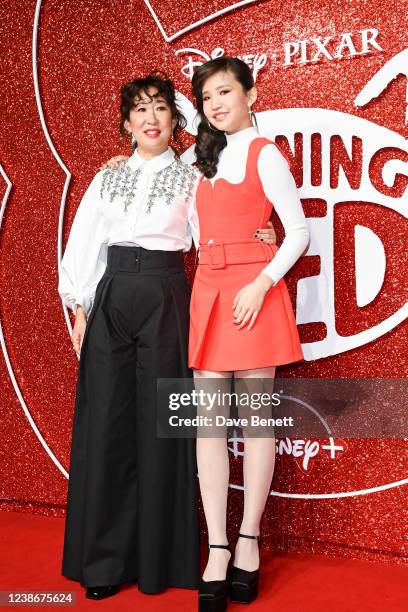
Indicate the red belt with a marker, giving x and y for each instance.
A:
(221, 254)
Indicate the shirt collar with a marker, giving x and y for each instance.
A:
(155, 164)
(244, 135)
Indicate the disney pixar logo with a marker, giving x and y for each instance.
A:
(299, 52)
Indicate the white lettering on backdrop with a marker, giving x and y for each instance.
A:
(298, 52)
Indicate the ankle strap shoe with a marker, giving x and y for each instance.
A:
(213, 594)
(244, 585)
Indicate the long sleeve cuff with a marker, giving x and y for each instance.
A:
(73, 302)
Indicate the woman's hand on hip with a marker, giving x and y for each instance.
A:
(266, 235)
(248, 302)
(78, 331)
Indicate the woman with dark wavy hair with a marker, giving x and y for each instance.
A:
(132, 512)
(242, 323)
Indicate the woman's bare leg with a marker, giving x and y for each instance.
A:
(213, 473)
(259, 464)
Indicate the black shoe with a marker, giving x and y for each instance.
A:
(213, 594)
(101, 592)
(243, 585)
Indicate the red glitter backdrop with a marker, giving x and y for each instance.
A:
(81, 52)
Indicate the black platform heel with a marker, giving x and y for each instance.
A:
(243, 585)
(101, 592)
(213, 594)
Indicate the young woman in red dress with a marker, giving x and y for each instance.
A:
(242, 323)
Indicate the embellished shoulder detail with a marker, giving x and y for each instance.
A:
(176, 179)
(122, 182)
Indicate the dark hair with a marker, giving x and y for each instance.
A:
(210, 141)
(165, 88)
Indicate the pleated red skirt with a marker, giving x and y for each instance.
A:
(215, 343)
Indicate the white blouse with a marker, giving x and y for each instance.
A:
(142, 203)
(280, 189)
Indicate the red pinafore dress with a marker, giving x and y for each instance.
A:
(228, 214)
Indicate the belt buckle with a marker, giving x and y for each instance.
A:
(137, 258)
(217, 252)
(129, 259)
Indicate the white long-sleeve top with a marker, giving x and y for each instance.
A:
(142, 203)
(280, 189)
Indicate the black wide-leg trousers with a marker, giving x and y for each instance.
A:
(132, 509)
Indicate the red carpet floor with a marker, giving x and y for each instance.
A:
(30, 558)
